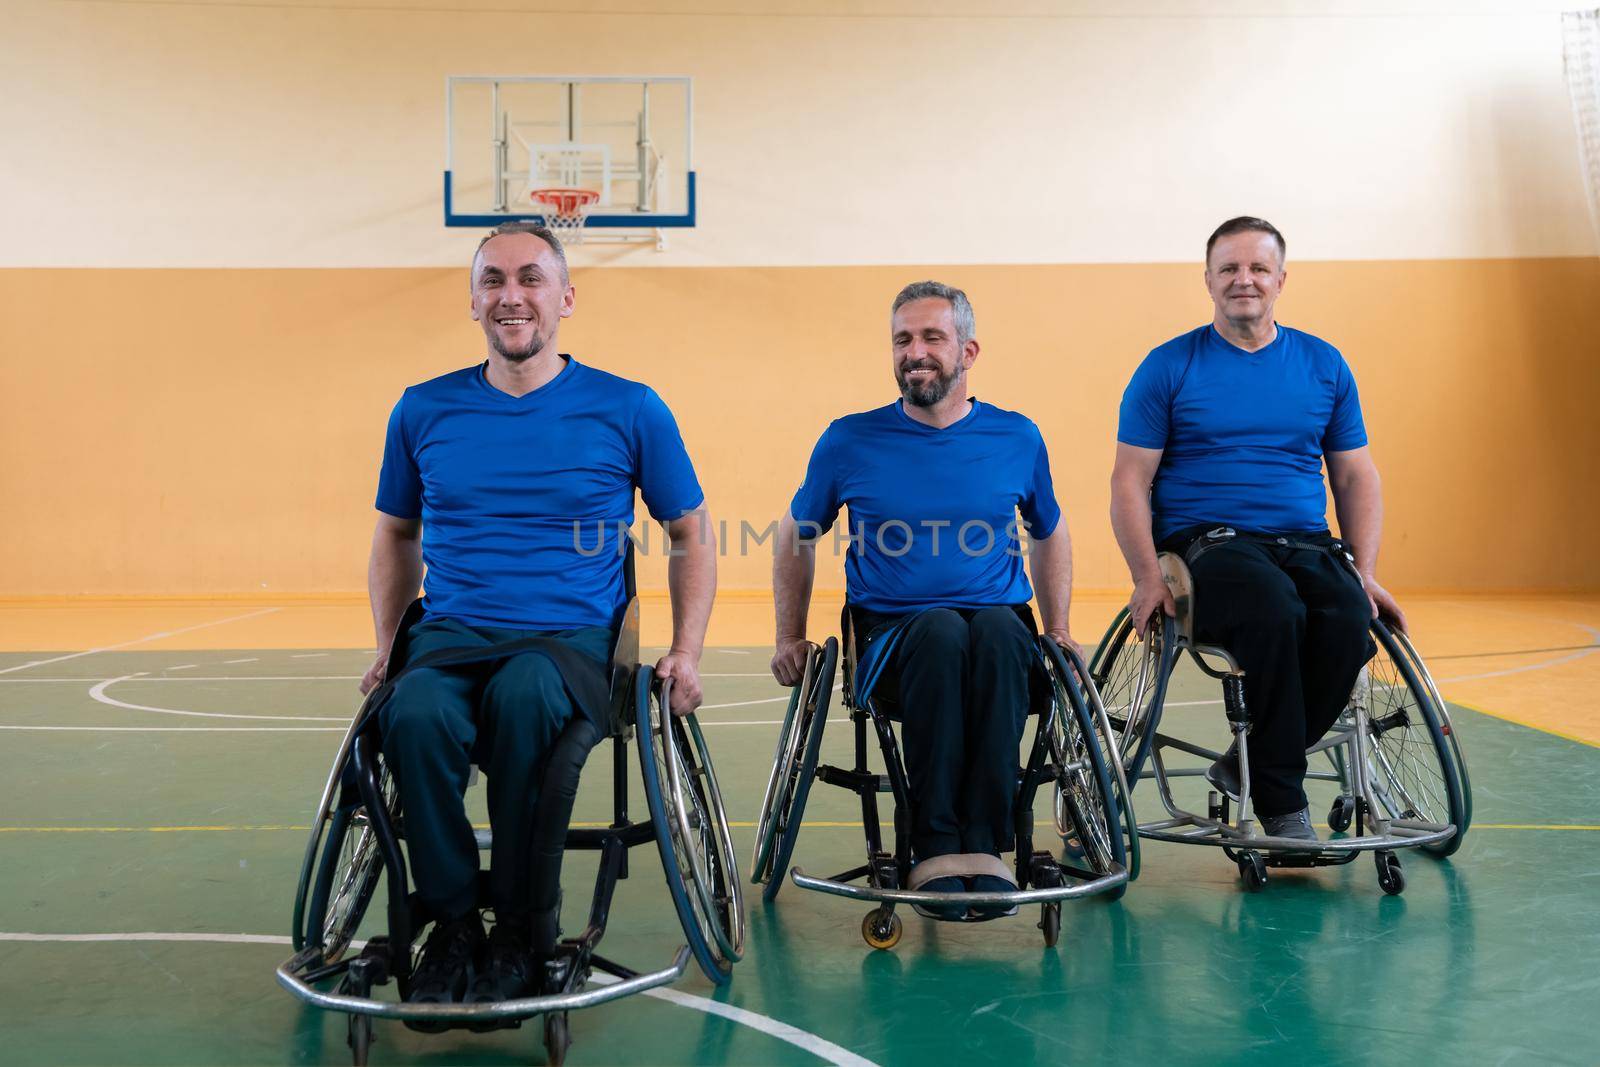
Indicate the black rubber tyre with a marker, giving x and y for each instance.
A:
(1253, 871)
(1050, 923)
(1342, 814)
(1390, 875)
(813, 722)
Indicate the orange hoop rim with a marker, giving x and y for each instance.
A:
(565, 202)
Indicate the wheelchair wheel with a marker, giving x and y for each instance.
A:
(799, 771)
(692, 835)
(1411, 764)
(1110, 744)
(1464, 783)
(1130, 671)
(780, 783)
(346, 876)
(1083, 774)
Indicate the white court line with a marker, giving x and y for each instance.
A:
(247, 659)
(803, 1039)
(138, 640)
(756, 722)
(184, 667)
(306, 655)
(98, 693)
(203, 678)
(1594, 635)
(749, 703)
(189, 729)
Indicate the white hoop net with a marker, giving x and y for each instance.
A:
(1581, 54)
(565, 211)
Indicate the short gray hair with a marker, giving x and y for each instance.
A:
(543, 233)
(960, 306)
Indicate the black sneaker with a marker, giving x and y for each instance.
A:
(443, 971)
(1296, 826)
(1224, 774)
(507, 971)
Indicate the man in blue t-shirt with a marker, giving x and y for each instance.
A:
(934, 483)
(1220, 447)
(512, 482)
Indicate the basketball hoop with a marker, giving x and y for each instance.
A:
(565, 210)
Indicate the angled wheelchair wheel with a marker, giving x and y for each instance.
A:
(1086, 797)
(1130, 672)
(1411, 762)
(1110, 744)
(340, 877)
(692, 834)
(780, 783)
(799, 771)
(1446, 726)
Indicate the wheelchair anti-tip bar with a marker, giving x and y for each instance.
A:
(1117, 876)
(520, 1008)
(1211, 832)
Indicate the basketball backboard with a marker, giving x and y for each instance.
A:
(628, 138)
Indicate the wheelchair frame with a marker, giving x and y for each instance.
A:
(1070, 719)
(686, 821)
(1349, 746)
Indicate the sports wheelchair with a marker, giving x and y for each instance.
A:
(1393, 752)
(356, 842)
(1074, 747)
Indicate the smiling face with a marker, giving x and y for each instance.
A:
(520, 294)
(1244, 275)
(929, 357)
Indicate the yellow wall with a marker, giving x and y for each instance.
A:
(186, 432)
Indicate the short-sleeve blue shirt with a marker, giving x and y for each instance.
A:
(514, 493)
(1242, 433)
(933, 512)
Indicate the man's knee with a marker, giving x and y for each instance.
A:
(939, 631)
(421, 714)
(527, 693)
(998, 630)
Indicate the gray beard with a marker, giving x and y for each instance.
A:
(930, 393)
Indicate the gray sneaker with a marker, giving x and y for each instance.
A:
(1296, 826)
(1224, 774)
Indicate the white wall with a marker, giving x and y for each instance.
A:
(310, 134)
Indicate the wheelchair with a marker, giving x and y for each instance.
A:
(1073, 749)
(1393, 752)
(356, 843)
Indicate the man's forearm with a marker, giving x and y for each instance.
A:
(1359, 506)
(394, 574)
(794, 565)
(692, 579)
(1051, 560)
(1131, 524)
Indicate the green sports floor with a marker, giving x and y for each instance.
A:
(156, 805)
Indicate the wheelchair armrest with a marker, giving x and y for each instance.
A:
(624, 661)
(1180, 583)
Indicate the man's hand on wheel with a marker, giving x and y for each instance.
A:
(684, 670)
(1064, 639)
(1384, 605)
(1149, 596)
(375, 673)
(789, 662)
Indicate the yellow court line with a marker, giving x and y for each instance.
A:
(581, 825)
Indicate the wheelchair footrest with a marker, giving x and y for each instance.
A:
(1043, 895)
(603, 991)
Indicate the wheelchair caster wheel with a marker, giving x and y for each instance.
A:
(1050, 923)
(1390, 876)
(1341, 814)
(359, 1038)
(881, 928)
(1253, 869)
(557, 1039)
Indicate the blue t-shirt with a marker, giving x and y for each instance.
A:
(1242, 433)
(515, 493)
(933, 513)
